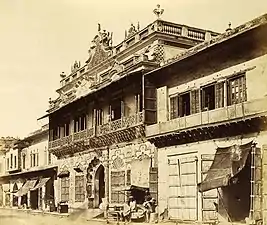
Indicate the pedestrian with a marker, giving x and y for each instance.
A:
(148, 209)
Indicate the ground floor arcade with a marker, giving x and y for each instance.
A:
(30, 189)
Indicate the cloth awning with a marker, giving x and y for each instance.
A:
(41, 183)
(227, 163)
(29, 184)
(64, 173)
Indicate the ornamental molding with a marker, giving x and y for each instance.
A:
(100, 49)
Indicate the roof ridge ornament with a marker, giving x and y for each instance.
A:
(132, 30)
(75, 66)
(229, 27)
(158, 11)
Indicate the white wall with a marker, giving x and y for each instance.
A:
(199, 148)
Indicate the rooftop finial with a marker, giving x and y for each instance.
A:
(62, 75)
(158, 11)
(229, 27)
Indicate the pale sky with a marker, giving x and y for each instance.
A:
(40, 39)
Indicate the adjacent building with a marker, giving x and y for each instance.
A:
(30, 172)
(6, 144)
(210, 132)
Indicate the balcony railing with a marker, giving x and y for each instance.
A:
(237, 111)
(112, 126)
(121, 123)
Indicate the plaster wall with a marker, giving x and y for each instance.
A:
(195, 149)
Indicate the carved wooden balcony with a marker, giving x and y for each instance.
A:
(120, 124)
(98, 136)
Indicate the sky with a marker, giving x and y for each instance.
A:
(41, 39)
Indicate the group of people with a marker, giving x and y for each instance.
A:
(149, 206)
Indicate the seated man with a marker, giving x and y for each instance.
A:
(148, 209)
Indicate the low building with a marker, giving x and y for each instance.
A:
(30, 173)
(6, 144)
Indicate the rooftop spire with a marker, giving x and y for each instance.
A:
(229, 27)
(158, 11)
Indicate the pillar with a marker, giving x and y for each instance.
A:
(42, 194)
(29, 199)
(19, 201)
(56, 191)
(162, 104)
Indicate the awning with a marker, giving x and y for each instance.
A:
(227, 163)
(64, 173)
(26, 187)
(41, 183)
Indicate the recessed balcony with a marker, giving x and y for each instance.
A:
(93, 137)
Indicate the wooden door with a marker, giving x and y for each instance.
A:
(183, 188)
(209, 198)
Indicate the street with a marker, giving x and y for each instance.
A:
(10, 217)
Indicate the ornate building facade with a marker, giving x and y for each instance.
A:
(97, 124)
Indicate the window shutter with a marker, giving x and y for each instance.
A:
(219, 95)
(122, 109)
(174, 107)
(244, 89)
(195, 104)
(180, 106)
(150, 100)
(153, 182)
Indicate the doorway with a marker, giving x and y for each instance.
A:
(99, 185)
(34, 199)
(15, 198)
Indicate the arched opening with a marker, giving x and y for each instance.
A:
(99, 185)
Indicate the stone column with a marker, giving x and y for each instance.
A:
(42, 194)
(29, 199)
(106, 168)
(56, 191)
(19, 201)
(162, 104)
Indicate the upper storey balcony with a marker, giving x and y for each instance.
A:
(123, 129)
(241, 112)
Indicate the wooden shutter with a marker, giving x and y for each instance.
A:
(122, 108)
(195, 103)
(150, 100)
(219, 95)
(153, 182)
(209, 197)
(180, 106)
(174, 107)
(257, 179)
